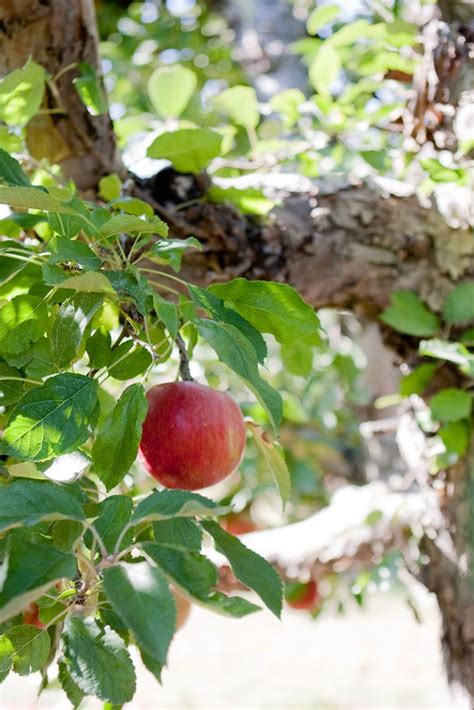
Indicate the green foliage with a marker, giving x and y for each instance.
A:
(30, 648)
(170, 89)
(53, 418)
(240, 104)
(89, 88)
(459, 305)
(190, 150)
(82, 314)
(409, 315)
(116, 444)
(451, 405)
(248, 567)
(97, 660)
(21, 94)
(140, 596)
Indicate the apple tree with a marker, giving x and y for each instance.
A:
(171, 202)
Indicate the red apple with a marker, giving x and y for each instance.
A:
(303, 595)
(193, 436)
(31, 616)
(183, 608)
(238, 523)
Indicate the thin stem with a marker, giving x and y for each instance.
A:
(21, 379)
(169, 289)
(164, 273)
(64, 70)
(184, 369)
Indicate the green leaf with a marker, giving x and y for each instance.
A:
(132, 205)
(6, 657)
(129, 224)
(409, 315)
(167, 313)
(10, 389)
(22, 321)
(162, 505)
(31, 648)
(21, 94)
(10, 141)
(137, 360)
(215, 307)
(235, 351)
(190, 570)
(196, 576)
(73, 692)
(114, 515)
(25, 198)
(455, 437)
(69, 225)
(451, 405)
(249, 201)
(90, 282)
(230, 606)
(140, 595)
(287, 103)
(171, 251)
(98, 660)
(69, 326)
(321, 16)
(297, 357)
(240, 104)
(69, 250)
(170, 89)
(418, 380)
(98, 348)
(89, 88)
(135, 286)
(274, 458)
(116, 445)
(26, 502)
(324, 69)
(183, 532)
(32, 569)
(270, 307)
(110, 188)
(190, 150)
(11, 173)
(51, 419)
(251, 569)
(459, 305)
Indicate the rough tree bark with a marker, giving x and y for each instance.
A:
(59, 35)
(346, 247)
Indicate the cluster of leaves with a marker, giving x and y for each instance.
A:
(99, 566)
(450, 407)
(360, 71)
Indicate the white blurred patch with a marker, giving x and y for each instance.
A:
(67, 468)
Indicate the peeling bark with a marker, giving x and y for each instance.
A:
(350, 249)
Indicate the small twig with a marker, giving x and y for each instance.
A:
(184, 369)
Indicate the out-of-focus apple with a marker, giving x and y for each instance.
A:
(238, 523)
(183, 608)
(31, 616)
(303, 595)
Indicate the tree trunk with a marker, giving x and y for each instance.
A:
(59, 35)
(347, 247)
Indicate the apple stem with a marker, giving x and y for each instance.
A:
(184, 369)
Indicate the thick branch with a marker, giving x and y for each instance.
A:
(348, 249)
